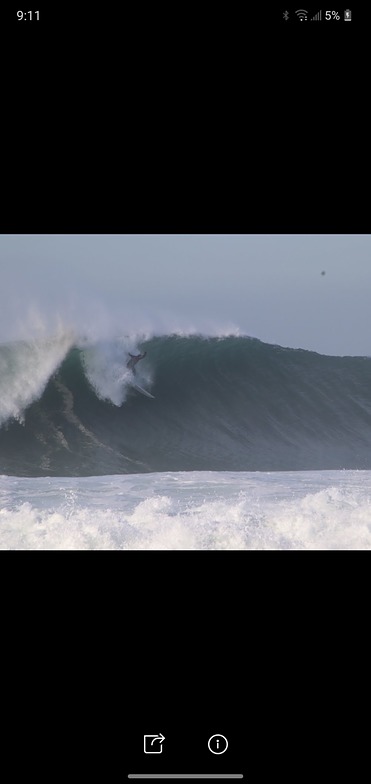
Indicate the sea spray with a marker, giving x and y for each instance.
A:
(25, 370)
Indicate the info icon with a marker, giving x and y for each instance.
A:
(217, 744)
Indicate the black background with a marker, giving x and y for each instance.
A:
(171, 121)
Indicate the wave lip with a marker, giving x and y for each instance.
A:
(25, 370)
(221, 404)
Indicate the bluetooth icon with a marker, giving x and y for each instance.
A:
(285, 15)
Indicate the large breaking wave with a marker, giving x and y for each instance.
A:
(231, 403)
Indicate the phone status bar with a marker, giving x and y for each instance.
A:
(300, 15)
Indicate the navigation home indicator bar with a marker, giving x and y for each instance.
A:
(160, 776)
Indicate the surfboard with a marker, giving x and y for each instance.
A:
(143, 391)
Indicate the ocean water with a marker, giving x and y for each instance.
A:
(206, 510)
(245, 445)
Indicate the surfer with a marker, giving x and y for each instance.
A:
(133, 360)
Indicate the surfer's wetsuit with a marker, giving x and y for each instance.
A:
(133, 360)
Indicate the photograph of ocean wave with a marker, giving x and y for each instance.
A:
(185, 392)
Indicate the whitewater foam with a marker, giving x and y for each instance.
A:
(319, 510)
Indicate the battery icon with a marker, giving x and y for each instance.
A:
(347, 15)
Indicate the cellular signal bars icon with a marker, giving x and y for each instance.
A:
(317, 17)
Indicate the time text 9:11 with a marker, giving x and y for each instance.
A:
(28, 16)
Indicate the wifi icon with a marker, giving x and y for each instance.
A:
(302, 15)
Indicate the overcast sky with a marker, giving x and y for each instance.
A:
(267, 286)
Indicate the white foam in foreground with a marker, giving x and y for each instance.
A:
(195, 510)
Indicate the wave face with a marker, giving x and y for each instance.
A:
(221, 404)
